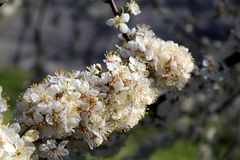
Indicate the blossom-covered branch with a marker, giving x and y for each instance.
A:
(228, 62)
(12, 145)
(92, 104)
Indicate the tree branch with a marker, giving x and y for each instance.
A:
(232, 59)
(229, 61)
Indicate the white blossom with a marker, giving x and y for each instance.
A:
(31, 136)
(133, 7)
(52, 151)
(3, 102)
(119, 22)
(12, 146)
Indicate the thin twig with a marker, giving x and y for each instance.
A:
(113, 6)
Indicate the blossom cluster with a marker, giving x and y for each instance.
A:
(169, 64)
(12, 145)
(92, 104)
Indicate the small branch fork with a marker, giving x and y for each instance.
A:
(116, 13)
